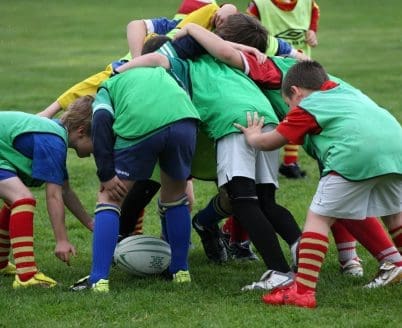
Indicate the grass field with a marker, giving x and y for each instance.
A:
(47, 46)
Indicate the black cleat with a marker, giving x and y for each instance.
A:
(292, 171)
(242, 251)
(211, 241)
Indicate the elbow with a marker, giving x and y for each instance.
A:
(134, 25)
(158, 59)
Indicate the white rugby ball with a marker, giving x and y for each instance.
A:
(142, 255)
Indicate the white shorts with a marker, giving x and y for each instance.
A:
(236, 158)
(339, 198)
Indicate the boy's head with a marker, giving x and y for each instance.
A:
(77, 120)
(306, 75)
(153, 43)
(244, 29)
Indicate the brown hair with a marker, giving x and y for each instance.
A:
(307, 74)
(154, 43)
(244, 29)
(79, 114)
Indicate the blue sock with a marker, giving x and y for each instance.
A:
(178, 228)
(211, 214)
(104, 242)
(164, 231)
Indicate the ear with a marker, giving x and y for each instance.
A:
(81, 132)
(295, 90)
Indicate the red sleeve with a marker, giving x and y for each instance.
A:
(297, 124)
(252, 10)
(315, 16)
(266, 75)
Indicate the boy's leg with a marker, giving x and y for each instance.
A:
(312, 250)
(289, 168)
(350, 263)
(5, 266)
(381, 247)
(104, 240)
(205, 223)
(246, 209)
(132, 210)
(281, 219)
(22, 208)
(394, 226)
(237, 242)
(175, 164)
(237, 167)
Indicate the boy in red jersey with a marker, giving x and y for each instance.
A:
(350, 187)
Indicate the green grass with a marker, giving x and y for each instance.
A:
(47, 46)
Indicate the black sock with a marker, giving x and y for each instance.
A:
(281, 219)
(247, 211)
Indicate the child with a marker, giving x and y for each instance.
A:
(33, 151)
(269, 75)
(127, 121)
(242, 173)
(297, 22)
(335, 120)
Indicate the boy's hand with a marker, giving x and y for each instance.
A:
(253, 129)
(64, 250)
(311, 38)
(222, 14)
(183, 31)
(114, 188)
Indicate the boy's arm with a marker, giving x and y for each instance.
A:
(149, 60)
(138, 30)
(256, 138)
(75, 206)
(215, 45)
(136, 33)
(55, 208)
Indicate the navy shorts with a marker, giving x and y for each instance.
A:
(173, 147)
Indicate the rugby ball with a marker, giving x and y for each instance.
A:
(142, 255)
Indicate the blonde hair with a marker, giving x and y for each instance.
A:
(79, 114)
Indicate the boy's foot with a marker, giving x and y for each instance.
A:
(8, 270)
(388, 274)
(289, 296)
(353, 268)
(101, 286)
(181, 276)
(211, 241)
(242, 251)
(38, 280)
(271, 280)
(292, 171)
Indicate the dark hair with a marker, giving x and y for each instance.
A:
(307, 74)
(154, 43)
(244, 29)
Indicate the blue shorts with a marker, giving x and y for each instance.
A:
(173, 147)
(6, 174)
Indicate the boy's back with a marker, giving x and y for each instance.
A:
(137, 114)
(356, 137)
(222, 95)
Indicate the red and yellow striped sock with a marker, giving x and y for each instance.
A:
(4, 235)
(396, 235)
(291, 154)
(21, 237)
(312, 249)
